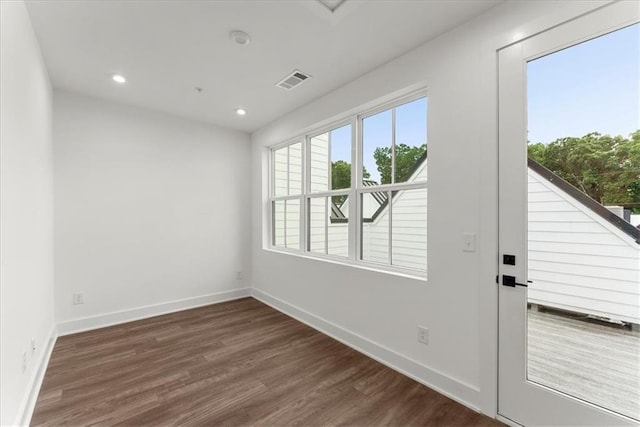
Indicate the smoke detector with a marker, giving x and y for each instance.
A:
(332, 5)
(293, 80)
(240, 37)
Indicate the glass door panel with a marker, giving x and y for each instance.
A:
(583, 252)
(569, 299)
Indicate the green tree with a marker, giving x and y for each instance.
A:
(341, 174)
(604, 167)
(341, 178)
(406, 160)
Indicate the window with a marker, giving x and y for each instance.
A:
(374, 214)
(329, 168)
(287, 190)
(393, 194)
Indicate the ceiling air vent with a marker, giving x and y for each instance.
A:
(293, 80)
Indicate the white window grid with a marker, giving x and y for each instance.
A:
(355, 220)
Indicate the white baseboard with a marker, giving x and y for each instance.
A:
(507, 421)
(443, 384)
(33, 389)
(117, 317)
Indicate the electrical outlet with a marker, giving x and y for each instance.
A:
(423, 335)
(23, 360)
(78, 298)
(239, 275)
(33, 345)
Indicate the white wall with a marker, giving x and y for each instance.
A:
(380, 311)
(150, 209)
(27, 210)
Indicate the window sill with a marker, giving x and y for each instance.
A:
(421, 276)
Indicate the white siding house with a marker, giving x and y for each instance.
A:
(582, 257)
(408, 225)
(287, 167)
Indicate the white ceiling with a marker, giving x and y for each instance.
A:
(167, 48)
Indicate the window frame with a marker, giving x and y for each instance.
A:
(354, 192)
(273, 198)
(328, 193)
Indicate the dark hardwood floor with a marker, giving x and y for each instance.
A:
(235, 363)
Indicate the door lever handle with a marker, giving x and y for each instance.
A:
(511, 281)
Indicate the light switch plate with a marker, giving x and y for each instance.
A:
(469, 242)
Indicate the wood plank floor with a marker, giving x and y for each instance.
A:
(235, 363)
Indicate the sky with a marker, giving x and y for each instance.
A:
(593, 86)
(411, 129)
(589, 87)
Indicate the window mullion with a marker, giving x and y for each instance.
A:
(302, 225)
(272, 174)
(326, 224)
(390, 228)
(273, 223)
(355, 204)
(286, 243)
(329, 177)
(288, 170)
(393, 145)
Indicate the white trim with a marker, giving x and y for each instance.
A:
(507, 421)
(124, 316)
(394, 103)
(409, 273)
(25, 411)
(454, 389)
(340, 192)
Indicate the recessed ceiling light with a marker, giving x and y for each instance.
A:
(240, 37)
(241, 111)
(118, 78)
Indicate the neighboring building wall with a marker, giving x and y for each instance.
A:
(577, 261)
(409, 225)
(319, 161)
(287, 163)
(320, 207)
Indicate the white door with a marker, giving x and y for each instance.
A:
(524, 398)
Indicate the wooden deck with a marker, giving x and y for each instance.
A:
(595, 362)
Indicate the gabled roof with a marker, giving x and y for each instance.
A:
(379, 196)
(587, 201)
